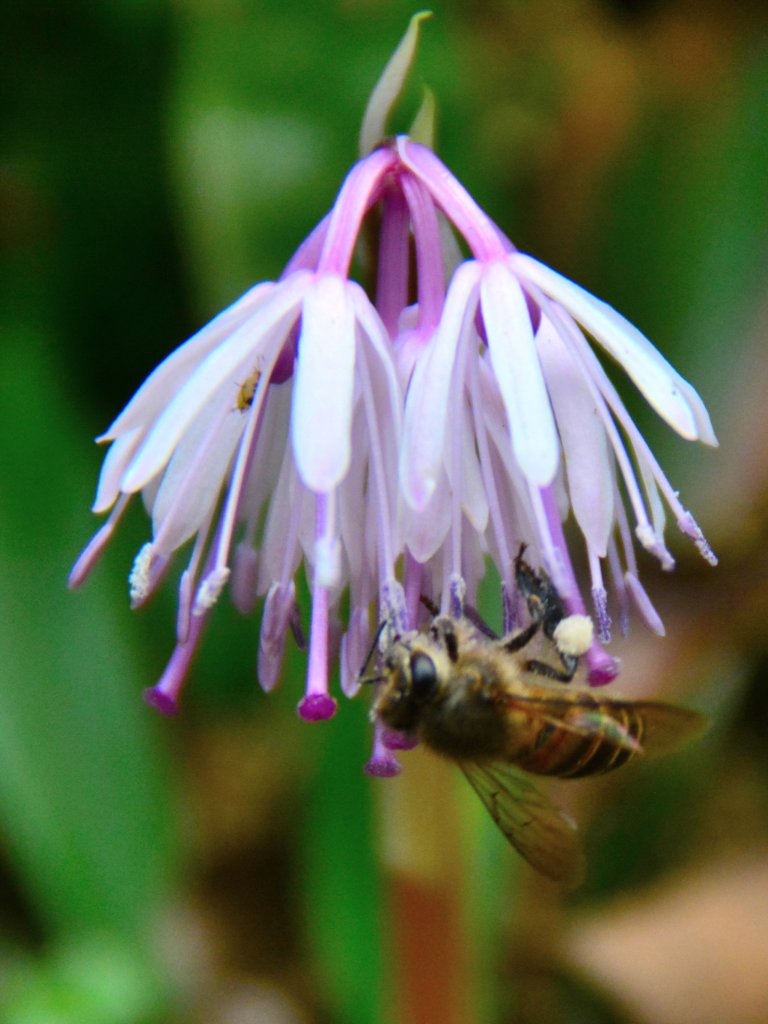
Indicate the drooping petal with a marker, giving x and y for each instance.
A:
(426, 405)
(194, 477)
(261, 335)
(279, 606)
(120, 453)
(670, 394)
(245, 576)
(355, 645)
(385, 374)
(425, 530)
(289, 506)
(166, 380)
(585, 447)
(518, 372)
(643, 604)
(474, 500)
(323, 393)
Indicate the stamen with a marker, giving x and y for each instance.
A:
(457, 589)
(317, 705)
(392, 609)
(164, 696)
(145, 574)
(210, 590)
(394, 740)
(691, 528)
(599, 598)
(382, 764)
(601, 667)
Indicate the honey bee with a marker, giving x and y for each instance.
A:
(503, 716)
(247, 390)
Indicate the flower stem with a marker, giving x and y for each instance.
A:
(425, 864)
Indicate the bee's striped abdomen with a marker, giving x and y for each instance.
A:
(571, 754)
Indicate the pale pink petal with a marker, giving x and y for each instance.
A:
(93, 550)
(355, 645)
(163, 383)
(385, 373)
(117, 458)
(245, 576)
(669, 394)
(425, 530)
(194, 477)
(261, 336)
(324, 388)
(289, 509)
(585, 446)
(518, 372)
(279, 608)
(426, 407)
(474, 501)
(643, 604)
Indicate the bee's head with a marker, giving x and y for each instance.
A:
(411, 681)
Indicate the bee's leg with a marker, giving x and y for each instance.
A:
(544, 603)
(442, 630)
(479, 622)
(562, 675)
(547, 611)
(470, 613)
(516, 641)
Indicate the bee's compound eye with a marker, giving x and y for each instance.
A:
(423, 676)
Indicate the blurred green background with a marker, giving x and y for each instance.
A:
(220, 868)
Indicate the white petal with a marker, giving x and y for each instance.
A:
(194, 478)
(120, 453)
(245, 575)
(516, 367)
(163, 383)
(280, 548)
(585, 447)
(470, 483)
(643, 604)
(355, 645)
(353, 498)
(269, 450)
(425, 530)
(260, 335)
(376, 333)
(671, 395)
(426, 406)
(323, 393)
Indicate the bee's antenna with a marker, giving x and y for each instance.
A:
(363, 680)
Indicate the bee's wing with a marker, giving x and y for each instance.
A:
(642, 727)
(666, 727)
(541, 832)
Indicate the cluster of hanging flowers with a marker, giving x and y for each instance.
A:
(390, 440)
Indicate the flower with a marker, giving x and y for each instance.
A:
(390, 440)
(510, 409)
